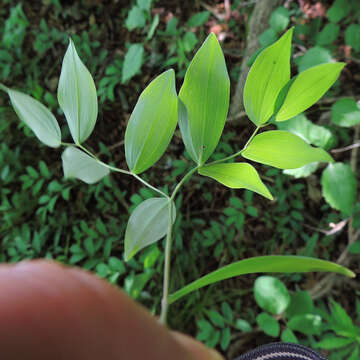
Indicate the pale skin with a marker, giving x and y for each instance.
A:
(50, 311)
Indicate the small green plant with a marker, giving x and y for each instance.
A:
(292, 315)
(200, 109)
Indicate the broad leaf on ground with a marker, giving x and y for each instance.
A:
(345, 112)
(339, 187)
(271, 294)
(133, 61)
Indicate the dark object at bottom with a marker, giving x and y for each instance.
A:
(281, 351)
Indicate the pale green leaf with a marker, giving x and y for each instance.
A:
(328, 34)
(262, 264)
(133, 61)
(237, 176)
(271, 294)
(153, 27)
(148, 223)
(37, 116)
(303, 171)
(339, 187)
(338, 10)
(268, 75)
(135, 19)
(198, 19)
(308, 87)
(311, 133)
(77, 96)
(268, 324)
(352, 36)
(279, 19)
(205, 94)
(345, 112)
(283, 150)
(77, 164)
(313, 57)
(152, 123)
(333, 342)
(308, 324)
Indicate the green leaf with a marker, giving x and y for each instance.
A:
(352, 36)
(198, 19)
(301, 303)
(311, 133)
(333, 342)
(267, 38)
(308, 87)
(77, 164)
(135, 19)
(279, 19)
(308, 324)
(189, 41)
(77, 96)
(152, 123)
(243, 325)
(270, 325)
(267, 264)
(283, 150)
(153, 27)
(205, 94)
(225, 338)
(338, 10)
(237, 176)
(328, 34)
(148, 223)
(133, 61)
(268, 75)
(226, 310)
(339, 187)
(271, 294)
(144, 4)
(303, 171)
(313, 57)
(216, 318)
(345, 112)
(36, 116)
(288, 336)
(183, 120)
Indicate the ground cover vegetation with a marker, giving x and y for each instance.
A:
(44, 215)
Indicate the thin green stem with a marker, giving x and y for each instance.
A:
(166, 282)
(182, 181)
(237, 153)
(3, 87)
(149, 186)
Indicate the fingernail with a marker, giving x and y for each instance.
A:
(215, 355)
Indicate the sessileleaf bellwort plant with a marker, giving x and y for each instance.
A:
(200, 110)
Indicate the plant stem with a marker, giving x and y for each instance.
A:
(166, 282)
(237, 153)
(113, 168)
(149, 186)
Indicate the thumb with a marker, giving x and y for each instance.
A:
(48, 311)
